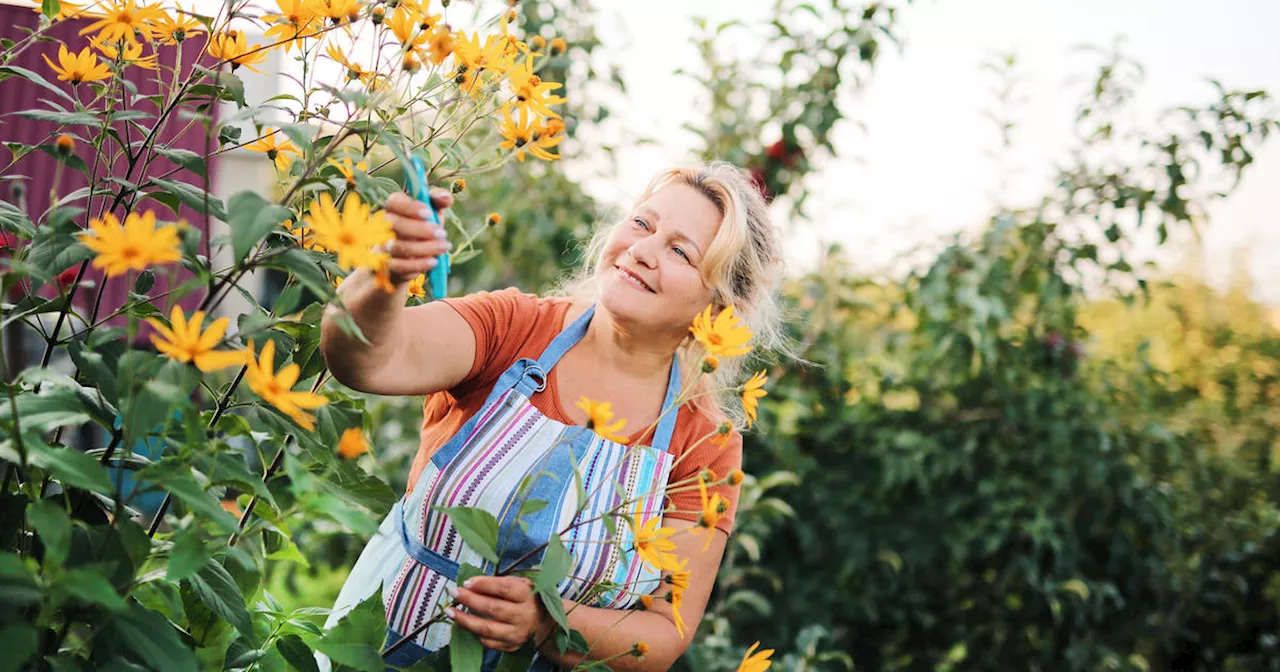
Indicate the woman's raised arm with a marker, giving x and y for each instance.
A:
(411, 351)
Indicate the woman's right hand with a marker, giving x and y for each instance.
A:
(418, 242)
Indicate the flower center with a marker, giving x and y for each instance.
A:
(129, 252)
(716, 339)
(346, 238)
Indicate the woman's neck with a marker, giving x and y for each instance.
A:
(626, 349)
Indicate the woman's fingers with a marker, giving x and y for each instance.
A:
(509, 588)
(484, 605)
(414, 249)
(402, 269)
(484, 628)
(441, 198)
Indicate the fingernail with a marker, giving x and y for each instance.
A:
(468, 583)
(431, 263)
(453, 592)
(424, 212)
(450, 612)
(441, 233)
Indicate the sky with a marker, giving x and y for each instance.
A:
(919, 171)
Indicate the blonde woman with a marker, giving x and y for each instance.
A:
(505, 373)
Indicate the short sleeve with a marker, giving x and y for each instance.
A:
(502, 322)
(721, 460)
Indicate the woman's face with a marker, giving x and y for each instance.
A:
(651, 270)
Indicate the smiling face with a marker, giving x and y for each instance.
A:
(650, 270)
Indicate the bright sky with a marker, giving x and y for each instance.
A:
(920, 171)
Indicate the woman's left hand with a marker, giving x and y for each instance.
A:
(505, 612)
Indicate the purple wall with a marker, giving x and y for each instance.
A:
(37, 169)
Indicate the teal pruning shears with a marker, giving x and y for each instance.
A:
(416, 175)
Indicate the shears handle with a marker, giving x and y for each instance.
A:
(416, 176)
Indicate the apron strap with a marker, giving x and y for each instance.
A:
(666, 426)
(566, 339)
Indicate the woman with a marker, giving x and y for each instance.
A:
(491, 362)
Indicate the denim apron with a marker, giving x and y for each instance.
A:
(506, 454)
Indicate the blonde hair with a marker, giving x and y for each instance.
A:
(743, 268)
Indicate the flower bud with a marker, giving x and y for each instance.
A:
(64, 144)
(459, 185)
(735, 477)
(558, 46)
(710, 364)
(493, 219)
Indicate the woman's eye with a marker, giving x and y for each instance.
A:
(681, 252)
(641, 223)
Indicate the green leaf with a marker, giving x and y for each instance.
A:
(186, 557)
(555, 566)
(175, 476)
(192, 196)
(146, 280)
(215, 587)
(477, 527)
(555, 607)
(35, 77)
(228, 85)
(92, 588)
(45, 412)
(300, 134)
(305, 268)
(517, 661)
(17, 584)
(185, 158)
(153, 639)
(467, 571)
(70, 466)
(532, 506)
(465, 651)
(54, 527)
(18, 642)
(61, 118)
(297, 653)
(55, 247)
(358, 637)
(251, 218)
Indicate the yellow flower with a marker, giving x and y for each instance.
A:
(185, 343)
(351, 233)
(352, 444)
(277, 152)
(653, 543)
(417, 287)
(404, 25)
(338, 11)
(174, 30)
(232, 47)
(124, 20)
(675, 613)
(82, 67)
(496, 56)
(131, 247)
(354, 70)
(723, 336)
(347, 170)
(297, 19)
(755, 662)
(276, 388)
(713, 508)
(752, 391)
(722, 433)
(440, 44)
(599, 415)
(132, 54)
(678, 579)
(526, 135)
(531, 92)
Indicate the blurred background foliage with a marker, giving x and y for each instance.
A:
(1033, 452)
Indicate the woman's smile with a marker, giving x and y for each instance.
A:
(634, 280)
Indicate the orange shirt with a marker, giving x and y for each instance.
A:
(509, 325)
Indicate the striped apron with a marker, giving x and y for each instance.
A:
(508, 454)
